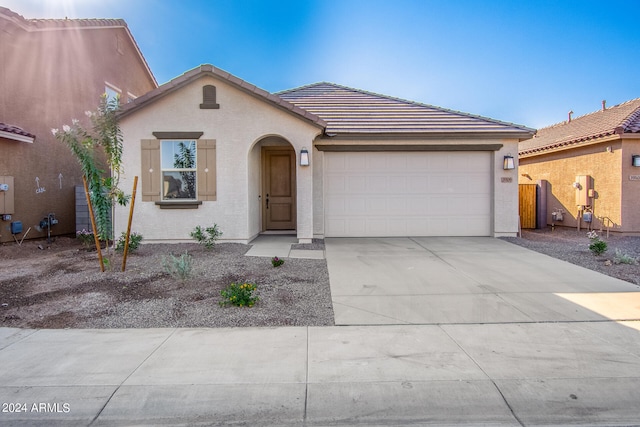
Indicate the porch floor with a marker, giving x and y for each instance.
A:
(270, 245)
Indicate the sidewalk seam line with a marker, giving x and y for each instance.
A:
(306, 384)
(487, 375)
(129, 376)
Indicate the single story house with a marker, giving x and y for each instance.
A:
(590, 169)
(318, 161)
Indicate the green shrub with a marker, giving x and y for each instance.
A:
(134, 242)
(240, 295)
(206, 236)
(598, 247)
(277, 262)
(179, 267)
(622, 258)
(86, 238)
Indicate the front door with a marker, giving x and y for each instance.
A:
(279, 188)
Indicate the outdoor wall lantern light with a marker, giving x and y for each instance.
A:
(304, 157)
(508, 162)
(635, 160)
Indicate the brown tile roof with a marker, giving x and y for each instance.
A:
(208, 69)
(349, 111)
(619, 119)
(67, 24)
(15, 130)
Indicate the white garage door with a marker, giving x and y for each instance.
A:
(376, 194)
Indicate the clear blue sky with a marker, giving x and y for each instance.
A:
(527, 62)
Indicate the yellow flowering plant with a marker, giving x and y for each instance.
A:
(239, 294)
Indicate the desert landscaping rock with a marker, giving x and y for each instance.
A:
(571, 245)
(61, 286)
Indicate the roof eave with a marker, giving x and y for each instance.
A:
(519, 135)
(209, 70)
(568, 145)
(17, 137)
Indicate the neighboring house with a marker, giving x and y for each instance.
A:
(52, 71)
(588, 165)
(319, 161)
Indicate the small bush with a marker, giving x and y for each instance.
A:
(240, 295)
(178, 267)
(598, 247)
(277, 262)
(206, 236)
(134, 242)
(622, 258)
(86, 237)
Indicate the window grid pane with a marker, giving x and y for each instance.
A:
(178, 160)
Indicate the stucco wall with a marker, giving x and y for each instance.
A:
(240, 126)
(48, 78)
(630, 186)
(607, 170)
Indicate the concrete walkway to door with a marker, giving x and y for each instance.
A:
(466, 280)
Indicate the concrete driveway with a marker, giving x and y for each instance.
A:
(466, 280)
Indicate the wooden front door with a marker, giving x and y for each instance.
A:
(279, 188)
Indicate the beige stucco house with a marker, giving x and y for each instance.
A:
(588, 165)
(318, 161)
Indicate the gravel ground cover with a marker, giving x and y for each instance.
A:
(569, 244)
(61, 286)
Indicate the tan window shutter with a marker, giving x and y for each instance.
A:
(206, 167)
(150, 172)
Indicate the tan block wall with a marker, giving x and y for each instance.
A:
(560, 170)
(48, 78)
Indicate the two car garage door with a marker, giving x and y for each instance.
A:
(384, 194)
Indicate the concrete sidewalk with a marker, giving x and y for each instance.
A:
(509, 338)
(583, 373)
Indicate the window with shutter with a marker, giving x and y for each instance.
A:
(174, 171)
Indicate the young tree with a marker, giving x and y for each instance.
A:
(99, 153)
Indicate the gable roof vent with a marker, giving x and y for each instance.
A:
(209, 98)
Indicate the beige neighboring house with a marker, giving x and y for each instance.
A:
(589, 167)
(318, 161)
(52, 71)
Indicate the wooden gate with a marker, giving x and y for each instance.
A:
(527, 205)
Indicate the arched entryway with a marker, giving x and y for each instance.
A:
(272, 186)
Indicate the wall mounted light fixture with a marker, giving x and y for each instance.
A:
(635, 160)
(508, 162)
(304, 157)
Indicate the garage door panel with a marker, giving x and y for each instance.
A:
(336, 184)
(356, 206)
(408, 194)
(377, 184)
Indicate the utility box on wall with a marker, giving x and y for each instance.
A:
(6, 195)
(584, 190)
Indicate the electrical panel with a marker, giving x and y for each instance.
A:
(6, 195)
(584, 190)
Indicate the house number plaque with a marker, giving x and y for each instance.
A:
(506, 179)
(634, 177)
